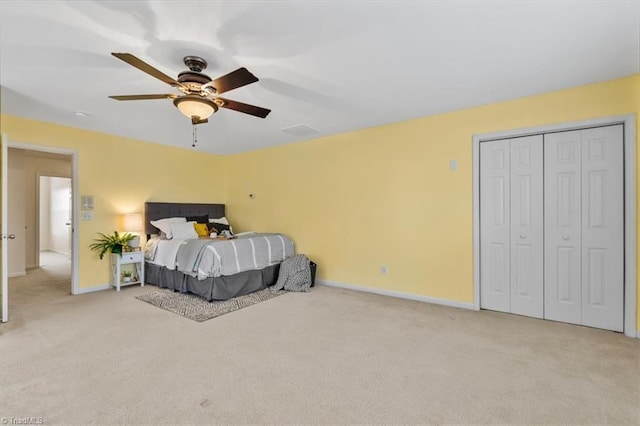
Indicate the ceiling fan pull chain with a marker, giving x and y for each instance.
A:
(195, 136)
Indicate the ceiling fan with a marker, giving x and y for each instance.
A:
(198, 98)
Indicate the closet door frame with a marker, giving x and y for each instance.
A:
(629, 124)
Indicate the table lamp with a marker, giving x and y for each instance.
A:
(133, 225)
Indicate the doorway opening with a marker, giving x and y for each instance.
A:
(40, 202)
(55, 197)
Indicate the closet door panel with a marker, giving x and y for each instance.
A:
(602, 228)
(562, 227)
(527, 246)
(494, 225)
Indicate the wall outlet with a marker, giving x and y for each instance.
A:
(383, 269)
(87, 215)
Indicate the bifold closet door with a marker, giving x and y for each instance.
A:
(563, 232)
(527, 212)
(584, 233)
(495, 232)
(511, 220)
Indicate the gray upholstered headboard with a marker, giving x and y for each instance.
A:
(155, 211)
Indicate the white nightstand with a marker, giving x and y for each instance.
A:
(135, 258)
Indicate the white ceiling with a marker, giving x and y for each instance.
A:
(335, 66)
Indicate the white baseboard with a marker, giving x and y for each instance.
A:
(398, 294)
(92, 289)
(64, 253)
(409, 296)
(16, 274)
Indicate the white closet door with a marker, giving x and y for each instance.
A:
(494, 225)
(602, 228)
(562, 227)
(527, 244)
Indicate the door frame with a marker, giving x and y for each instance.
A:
(4, 172)
(74, 203)
(630, 236)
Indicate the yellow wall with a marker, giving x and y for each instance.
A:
(351, 202)
(385, 195)
(122, 174)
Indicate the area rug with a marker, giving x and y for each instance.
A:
(198, 309)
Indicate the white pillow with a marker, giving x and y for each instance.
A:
(164, 225)
(223, 220)
(183, 230)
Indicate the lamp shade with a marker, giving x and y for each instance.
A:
(195, 106)
(133, 222)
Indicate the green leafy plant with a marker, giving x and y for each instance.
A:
(111, 243)
(127, 274)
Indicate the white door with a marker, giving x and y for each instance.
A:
(495, 225)
(511, 218)
(562, 221)
(527, 245)
(3, 235)
(584, 233)
(603, 228)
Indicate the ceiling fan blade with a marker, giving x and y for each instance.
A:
(246, 108)
(141, 97)
(143, 66)
(233, 80)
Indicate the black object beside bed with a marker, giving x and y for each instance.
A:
(213, 288)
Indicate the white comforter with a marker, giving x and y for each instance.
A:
(162, 252)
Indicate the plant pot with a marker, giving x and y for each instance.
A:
(126, 279)
(116, 249)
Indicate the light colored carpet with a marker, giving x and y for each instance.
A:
(329, 356)
(199, 309)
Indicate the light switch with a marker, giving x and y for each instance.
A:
(86, 202)
(453, 164)
(87, 215)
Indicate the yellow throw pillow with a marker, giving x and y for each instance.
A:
(201, 229)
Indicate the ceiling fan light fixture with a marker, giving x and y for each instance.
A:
(195, 106)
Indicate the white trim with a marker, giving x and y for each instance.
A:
(630, 235)
(629, 123)
(397, 294)
(92, 289)
(5, 196)
(75, 264)
(63, 253)
(16, 274)
(476, 223)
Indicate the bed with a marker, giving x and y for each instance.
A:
(233, 267)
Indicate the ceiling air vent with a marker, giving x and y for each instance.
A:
(300, 130)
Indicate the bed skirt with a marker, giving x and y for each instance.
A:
(218, 288)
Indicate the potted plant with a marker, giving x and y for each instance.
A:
(111, 243)
(127, 276)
